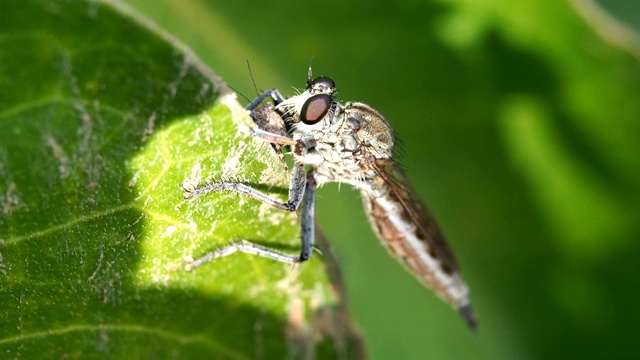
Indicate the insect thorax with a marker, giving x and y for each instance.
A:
(347, 143)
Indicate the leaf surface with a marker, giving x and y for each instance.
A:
(102, 118)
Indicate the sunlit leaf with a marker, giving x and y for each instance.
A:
(102, 118)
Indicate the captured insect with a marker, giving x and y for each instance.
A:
(348, 143)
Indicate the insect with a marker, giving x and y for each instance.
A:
(349, 143)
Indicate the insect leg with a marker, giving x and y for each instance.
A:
(307, 221)
(296, 190)
(247, 247)
(301, 191)
(272, 138)
(273, 94)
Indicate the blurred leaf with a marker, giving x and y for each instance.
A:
(102, 120)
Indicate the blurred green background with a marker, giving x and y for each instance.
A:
(520, 123)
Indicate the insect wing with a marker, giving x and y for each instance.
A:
(399, 184)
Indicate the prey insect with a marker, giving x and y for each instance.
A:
(349, 143)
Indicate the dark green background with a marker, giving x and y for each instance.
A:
(520, 124)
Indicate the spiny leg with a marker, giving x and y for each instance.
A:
(306, 237)
(296, 190)
(300, 190)
(246, 247)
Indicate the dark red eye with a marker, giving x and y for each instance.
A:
(315, 108)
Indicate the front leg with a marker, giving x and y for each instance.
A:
(296, 183)
(307, 237)
(301, 190)
(296, 190)
(274, 94)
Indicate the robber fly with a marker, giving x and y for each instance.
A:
(348, 143)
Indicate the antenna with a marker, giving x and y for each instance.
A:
(252, 79)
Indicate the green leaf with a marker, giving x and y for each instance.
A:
(102, 118)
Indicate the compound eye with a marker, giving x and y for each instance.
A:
(315, 108)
